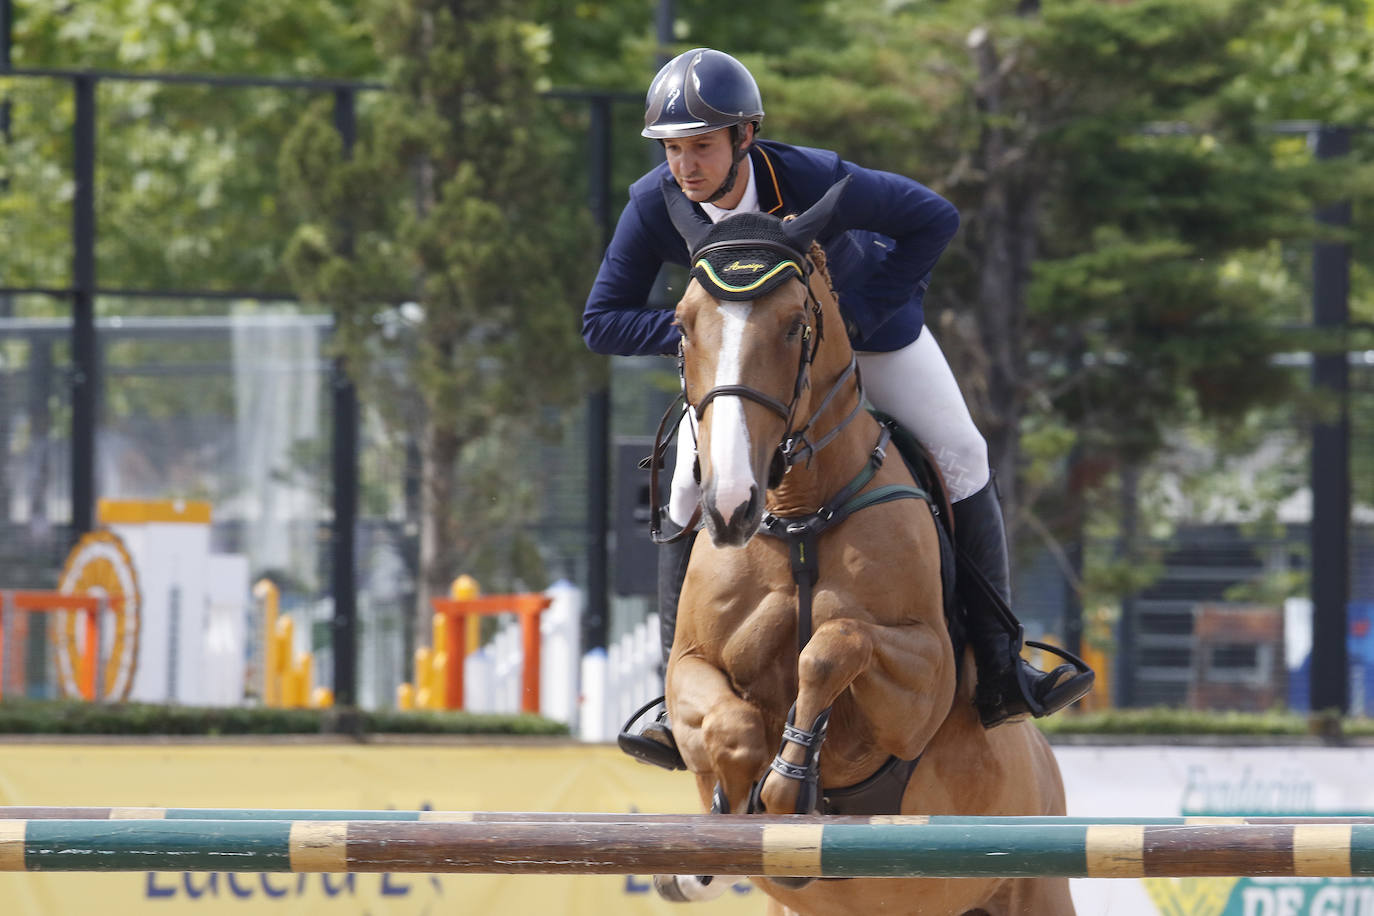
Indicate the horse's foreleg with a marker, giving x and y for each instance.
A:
(894, 671)
(721, 737)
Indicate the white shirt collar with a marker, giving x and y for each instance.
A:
(749, 203)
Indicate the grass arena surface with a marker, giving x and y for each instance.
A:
(701, 845)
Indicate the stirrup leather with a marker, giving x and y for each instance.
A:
(659, 753)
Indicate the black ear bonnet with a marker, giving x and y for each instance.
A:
(744, 256)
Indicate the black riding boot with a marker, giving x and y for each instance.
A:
(654, 742)
(1008, 685)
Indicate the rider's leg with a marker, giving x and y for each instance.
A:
(653, 741)
(915, 386)
(672, 571)
(683, 499)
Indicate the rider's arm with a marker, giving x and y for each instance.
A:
(617, 319)
(918, 220)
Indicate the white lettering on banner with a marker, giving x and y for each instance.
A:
(1258, 901)
(1334, 900)
(1289, 792)
(1264, 901)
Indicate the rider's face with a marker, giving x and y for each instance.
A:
(701, 163)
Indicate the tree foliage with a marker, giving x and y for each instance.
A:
(446, 244)
(1134, 226)
(187, 194)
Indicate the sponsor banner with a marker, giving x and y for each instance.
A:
(1211, 781)
(534, 776)
(479, 777)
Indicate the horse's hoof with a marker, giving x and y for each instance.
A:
(792, 884)
(688, 888)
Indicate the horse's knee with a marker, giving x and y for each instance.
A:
(735, 738)
(838, 651)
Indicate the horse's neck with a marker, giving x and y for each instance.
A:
(811, 483)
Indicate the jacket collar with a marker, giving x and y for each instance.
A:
(766, 181)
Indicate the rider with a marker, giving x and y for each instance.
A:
(705, 110)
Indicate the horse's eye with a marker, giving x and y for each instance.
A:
(794, 330)
(683, 330)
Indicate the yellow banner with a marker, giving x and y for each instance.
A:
(553, 776)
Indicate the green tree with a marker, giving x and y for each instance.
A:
(1117, 277)
(450, 248)
(187, 183)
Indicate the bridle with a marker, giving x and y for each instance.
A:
(796, 442)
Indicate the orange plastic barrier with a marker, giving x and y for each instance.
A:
(457, 612)
(42, 602)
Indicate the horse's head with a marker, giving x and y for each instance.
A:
(749, 332)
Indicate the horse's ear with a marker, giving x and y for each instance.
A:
(691, 225)
(804, 229)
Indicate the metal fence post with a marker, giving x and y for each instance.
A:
(1330, 533)
(343, 582)
(85, 355)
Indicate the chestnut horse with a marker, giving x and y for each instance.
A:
(829, 639)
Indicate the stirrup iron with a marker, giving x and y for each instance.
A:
(645, 749)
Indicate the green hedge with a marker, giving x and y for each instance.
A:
(70, 717)
(1161, 720)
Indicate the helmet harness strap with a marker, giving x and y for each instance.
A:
(737, 154)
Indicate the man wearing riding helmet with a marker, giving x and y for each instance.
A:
(887, 233)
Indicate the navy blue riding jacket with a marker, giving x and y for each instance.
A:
(881, 244)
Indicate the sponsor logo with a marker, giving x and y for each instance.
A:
(1284, 792)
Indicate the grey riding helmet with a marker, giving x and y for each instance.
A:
(700, 91)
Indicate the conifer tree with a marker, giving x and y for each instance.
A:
(452, 250)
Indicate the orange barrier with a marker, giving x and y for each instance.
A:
(43, 602)
(457, 612)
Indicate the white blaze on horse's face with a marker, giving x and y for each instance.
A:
(751, 345)
(733, 481)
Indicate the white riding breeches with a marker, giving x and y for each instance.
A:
(915, 386)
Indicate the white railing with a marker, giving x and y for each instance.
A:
(593, 693)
